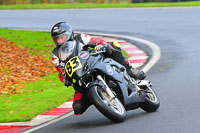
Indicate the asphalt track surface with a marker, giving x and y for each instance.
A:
(175, 77)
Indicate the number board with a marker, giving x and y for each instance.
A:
(72, 65)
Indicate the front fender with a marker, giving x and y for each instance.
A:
(95, 83)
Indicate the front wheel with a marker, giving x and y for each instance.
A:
(112, 109)
(152, 102)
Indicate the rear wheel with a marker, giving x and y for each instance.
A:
(152, 102)
(112, 109)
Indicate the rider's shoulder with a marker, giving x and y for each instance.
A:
(82, 36)
(55, 51)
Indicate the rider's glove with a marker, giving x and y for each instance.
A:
(66, 83)
(100, 47)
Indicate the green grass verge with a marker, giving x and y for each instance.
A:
(38, 43)
(90, 5)
(38, 97)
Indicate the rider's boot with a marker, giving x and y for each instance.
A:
(133, 72)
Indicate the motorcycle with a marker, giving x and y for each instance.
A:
(107, 85)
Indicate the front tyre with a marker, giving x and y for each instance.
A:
(112, 109)
(152, 102)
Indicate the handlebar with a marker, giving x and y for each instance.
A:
(95, 52)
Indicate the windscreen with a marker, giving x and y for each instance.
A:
(66, 50)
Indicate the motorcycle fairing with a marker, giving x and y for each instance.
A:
(105, 66)
(129, 99)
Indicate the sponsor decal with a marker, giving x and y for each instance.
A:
(109, 69)
(84, 55)
(62, 64)
(55, 29)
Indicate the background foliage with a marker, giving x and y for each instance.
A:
(81, 1)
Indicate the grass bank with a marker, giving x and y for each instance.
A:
(79, 5)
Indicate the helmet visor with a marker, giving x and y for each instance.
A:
(59, 39)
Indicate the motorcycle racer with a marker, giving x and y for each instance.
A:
(61, 33)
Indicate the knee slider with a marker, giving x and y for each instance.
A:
(78, 107)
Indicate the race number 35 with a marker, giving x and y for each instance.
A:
(72, 65)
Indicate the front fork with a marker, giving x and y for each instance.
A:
(106, 88)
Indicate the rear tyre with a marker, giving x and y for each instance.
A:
(152, 102)
(113, 110)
